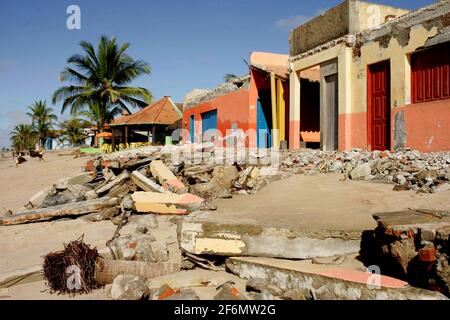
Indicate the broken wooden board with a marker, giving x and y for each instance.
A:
(326, 283)
(164, 203)
(166, 178)
(115, 182)
(71, 209)
(145, 183)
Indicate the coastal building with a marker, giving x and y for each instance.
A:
(384, 77)
(151, 125)
(251, 107)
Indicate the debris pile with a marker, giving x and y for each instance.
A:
(408, 170)
(414, 246)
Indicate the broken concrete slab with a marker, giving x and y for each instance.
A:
(168, 203)
(200, 234)
(325, 283)
(81, 178)
(38, 199)
(147, 220)
(145, 183)
(412, 222)
(166, 178)
(413, 245)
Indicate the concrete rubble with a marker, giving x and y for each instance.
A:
(408, 170)
(201, 234)
(414, 246)
(323, 284)
(133, 188)
(129, 287)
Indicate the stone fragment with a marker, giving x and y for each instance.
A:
(146, 220)
(361, 172)
(129, 287)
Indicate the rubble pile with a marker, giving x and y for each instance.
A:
(135, 186)
(408, 170)
(414, 246)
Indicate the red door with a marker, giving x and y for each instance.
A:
(379, 111)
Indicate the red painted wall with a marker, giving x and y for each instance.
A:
(427, 125)
(231, 108)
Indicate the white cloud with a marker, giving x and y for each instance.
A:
(292, 22)
(295, 21)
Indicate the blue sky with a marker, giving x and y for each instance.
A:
(188, 44)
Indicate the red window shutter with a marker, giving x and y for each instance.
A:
(430, 74)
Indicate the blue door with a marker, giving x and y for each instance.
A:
(191, 128)
(209, 121)
(264, 136)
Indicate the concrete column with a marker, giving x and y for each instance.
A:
(275, 133)
(294, 110)
(345, 98)
(281, 109)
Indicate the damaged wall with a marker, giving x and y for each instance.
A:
(349, 17)
(232, 112)
(422, 126)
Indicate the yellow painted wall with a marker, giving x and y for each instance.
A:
(371, 15)
(400, 68)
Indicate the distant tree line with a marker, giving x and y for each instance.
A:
(97, 91)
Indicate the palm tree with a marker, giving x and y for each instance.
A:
(100, 114)
(101, 77)
(22, 137)
(42, 119)
(72, 130)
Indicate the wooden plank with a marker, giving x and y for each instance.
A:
(115, 182)
(71, 209)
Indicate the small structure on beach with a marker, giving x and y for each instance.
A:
(149, 125)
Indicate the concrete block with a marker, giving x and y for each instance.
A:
(326, 283)
(200, 235)
(165, 203)
(165, 177)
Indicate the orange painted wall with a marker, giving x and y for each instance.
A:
(231, 108)
(356, 137)
(427, 125)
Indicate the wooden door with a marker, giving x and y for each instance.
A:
(379, 111)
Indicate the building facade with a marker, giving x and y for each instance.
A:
(384, 76)
(253, 109)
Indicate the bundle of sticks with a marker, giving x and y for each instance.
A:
(80, 269)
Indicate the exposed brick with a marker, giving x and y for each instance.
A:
(427, 254)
